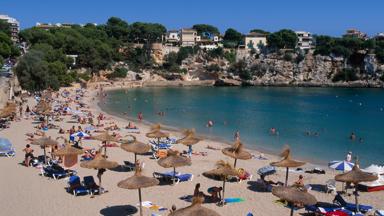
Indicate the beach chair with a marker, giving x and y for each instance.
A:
(8, 152)
(75, 187)
(6, 148)
(379, 213)
(56, 172)
(350, 206)
(90, 184)
(330, 186)
(168, 177)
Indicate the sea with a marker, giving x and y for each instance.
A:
(316, 123)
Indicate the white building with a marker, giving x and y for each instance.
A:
(253, 40)
(305, 40)
(14, 26)
(172, 37)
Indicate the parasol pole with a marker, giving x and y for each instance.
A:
(286, 177)
(45, 155)
(234, 165)
(141, 207)
(135, 157)
(292, 209)
(223, 190)
(174, 175)
(356, 199)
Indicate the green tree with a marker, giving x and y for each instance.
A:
(146, 32)
(240, 68)
(232, 38)
(283, 39)
(4, 27)
(205, 28)
(261, 31)
(119, 72)
(117, 28)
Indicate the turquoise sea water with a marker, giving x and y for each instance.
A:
(330, 115)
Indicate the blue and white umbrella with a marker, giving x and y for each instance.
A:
(341, 165)
(67, 109)
(5, 144)
(80, 134)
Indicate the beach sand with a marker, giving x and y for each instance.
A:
(25, 192)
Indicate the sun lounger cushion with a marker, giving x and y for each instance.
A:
(350, 206)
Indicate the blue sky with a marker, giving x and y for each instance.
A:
(331, 17)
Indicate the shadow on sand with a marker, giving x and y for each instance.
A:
(121, 210)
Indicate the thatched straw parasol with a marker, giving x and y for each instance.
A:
(135, 146)
(6, 112)
(157, 134)
(44, 142)
(356, 176)
(138, 181)
(105, 137)
(195, 209)
(101, 164)
(68, 150)
(174, 159)
(155, 127)
(237, 152)
(189, 138)
(287, 162)
(294, 195)
(222, 171)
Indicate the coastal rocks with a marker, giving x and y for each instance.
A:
(227, 82)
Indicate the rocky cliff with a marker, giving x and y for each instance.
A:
(289, 69)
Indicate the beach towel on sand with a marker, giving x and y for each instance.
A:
(151, 206)
(234, 200)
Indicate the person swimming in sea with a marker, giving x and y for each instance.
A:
(210, 123)
(352, 136)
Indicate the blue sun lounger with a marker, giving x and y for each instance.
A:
(168, 176)
(350, 206)
(6, 148)
(75, 187)
(90, 184)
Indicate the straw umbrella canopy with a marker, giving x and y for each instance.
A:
(135, 146)
(44, 142)
(294, 195)
(105, 137)
(222, 171)
(157, 134)
(6, 112)
(99, 163)
(237, 152)
(355, 176)
(195, 209)
(189, 138)
(138, 181)
(287, 162)
(155, 127)
(174, 159)
(68, 150)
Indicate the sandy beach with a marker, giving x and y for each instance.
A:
(25, 192)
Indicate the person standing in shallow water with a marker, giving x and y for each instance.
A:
(237, 136)
(140, 116)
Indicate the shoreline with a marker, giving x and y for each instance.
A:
(255, 150)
